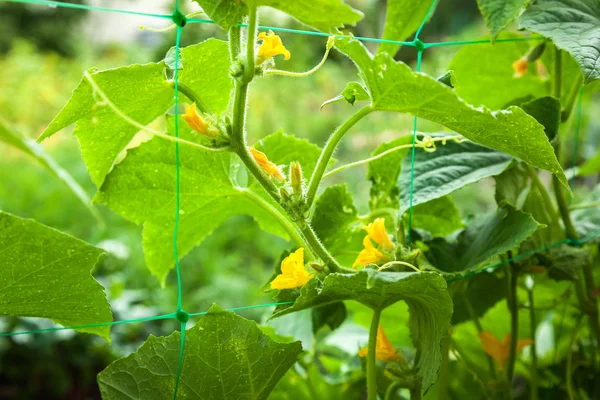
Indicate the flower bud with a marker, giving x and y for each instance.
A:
(296, 178)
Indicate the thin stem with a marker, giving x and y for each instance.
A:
(534, 360)
(584, 205)
(320, 250)
(250, 40)
(235, 38)
(258, 173)
(543, 192)
(421, 145)
(327, 153)
(392, 263)
(557, 82)
(569, 369)
(573, 96)
(189, 93)
(563, 207)
(307, 73)
(392, 389)
(512, 279)
(477, 323)
(278, 216)
(141, 127)
(371, 357)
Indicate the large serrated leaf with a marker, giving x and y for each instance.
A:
(142, 93)
(449, 168)
(226, 357)
(45, 273)
(439, 217)
(573, 25)
(483, 239)
(324, 15)
(142, 189)
(394, 87)
(425, 293)
(499, 13)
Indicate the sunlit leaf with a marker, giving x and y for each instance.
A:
(45, 273)
(226, 357)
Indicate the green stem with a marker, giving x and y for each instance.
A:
(557, 86)
(584, 205)
(563, 207)
(371, 357)
(392, 389)
(327, 153)
(569, 370)
(534, 360)
(573, 95)
(250, 41)
(320, 250)
(543, 192)
(279, 217)
(512, 279)
(444, 372)
(189, 93)
(255, 169)
(235, 38)
(477, 323)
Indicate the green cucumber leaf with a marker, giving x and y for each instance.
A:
(546, 111)
(573, 26)
(142, 93)
(439, 217)
(36, 151)
(225, 357)
(402, 19)
(483, 239)
(482, 291)
(323, 15)
(451, 167)
(499, 13)
(485, 74)
(425, 293)
(383, 173)
(45, 273)
(565, 262)
(352, 93)
(394, 87)
(142, 189)
(334, 220)
(512, 186)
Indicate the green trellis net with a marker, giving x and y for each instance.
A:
(181, 21)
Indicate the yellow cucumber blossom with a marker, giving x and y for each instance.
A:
(520, 67)
(376, 231)
(271, 46)
(268, 166)
(197, 123)
(293, 274)
(499, 350)
(370, 254)
(385, 351)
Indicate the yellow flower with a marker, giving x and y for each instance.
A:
(385, 351)
(268, 166)
(368, 255)
(293, 274)
(197, 123)
(498, 350)
(520, 67)
(376, 231)
(270, 47)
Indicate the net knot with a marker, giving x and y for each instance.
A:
(182, 316)
(179, 18)
(419, 45)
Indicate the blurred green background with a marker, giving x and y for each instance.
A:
(43, 53)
